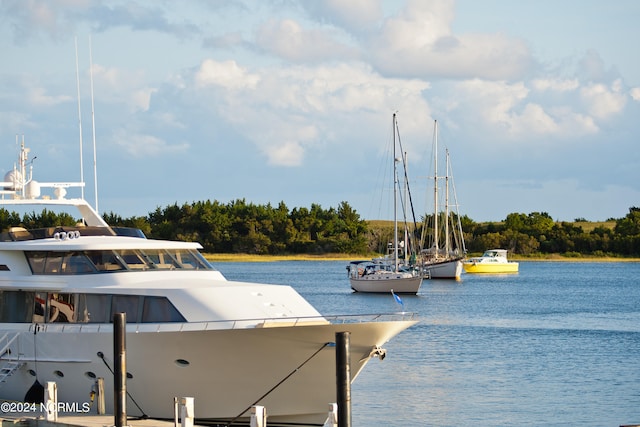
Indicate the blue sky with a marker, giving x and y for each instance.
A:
(537, 101)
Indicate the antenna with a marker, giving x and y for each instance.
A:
(79, 117)
(93, 124)
(24, 155)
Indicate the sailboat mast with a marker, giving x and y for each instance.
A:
(446, 208)
(395, 198)
(406, 197)
(435, 188)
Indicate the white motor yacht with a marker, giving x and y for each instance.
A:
(190, 332)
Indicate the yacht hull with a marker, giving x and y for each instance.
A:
(290, 370)
(492, 261)
(497, 268)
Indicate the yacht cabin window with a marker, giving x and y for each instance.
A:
(16, 307)
(52, 307)
(126, 304)
(106, 261)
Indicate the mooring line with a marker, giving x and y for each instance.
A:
(144, 415)
(280, 383)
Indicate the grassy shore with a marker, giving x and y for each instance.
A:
(350, 257)
(585, 258)
(271, 258)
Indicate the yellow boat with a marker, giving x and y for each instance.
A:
(492, 261)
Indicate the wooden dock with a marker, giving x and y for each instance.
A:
(78, 421)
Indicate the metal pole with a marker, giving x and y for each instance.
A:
(120, 369)
(343, 379)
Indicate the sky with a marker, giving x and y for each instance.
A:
(537, 102)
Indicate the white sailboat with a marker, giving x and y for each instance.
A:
(385, 275)
(190, 331)
(442, 258)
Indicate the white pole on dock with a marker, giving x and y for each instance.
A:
(183, 411)
(332, 417)
(186, 414)
(51, 401)
(100, 396)
(258, 416)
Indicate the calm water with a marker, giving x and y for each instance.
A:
(556, 344)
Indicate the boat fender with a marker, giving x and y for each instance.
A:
(35, 394)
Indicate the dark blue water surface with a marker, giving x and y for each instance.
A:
(556, 344)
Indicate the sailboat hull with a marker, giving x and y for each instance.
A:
(375, 283)
(451, 269)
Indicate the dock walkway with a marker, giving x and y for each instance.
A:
(78, 421)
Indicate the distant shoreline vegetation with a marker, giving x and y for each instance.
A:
(241, 227)
(221, 258)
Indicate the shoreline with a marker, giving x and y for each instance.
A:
(351, 257)
(273, 258)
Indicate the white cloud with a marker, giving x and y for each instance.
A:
(592, 66)
(635, 93)
(49, 17)
(141, 145)
(506, 109)
(286, 112)
(289, 40)
(170, 120)
(354, 15)
(38, 97)
(420, 42)
(602, 101)
(533, 117)
(226, 74)
(15, 122)
(494, 101)
(117, 85)
(288, 154)
(141, 98)
(558, 85)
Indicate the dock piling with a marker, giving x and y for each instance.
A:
(120, 369)
(343, 378)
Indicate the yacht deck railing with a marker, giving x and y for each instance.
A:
(225, 324)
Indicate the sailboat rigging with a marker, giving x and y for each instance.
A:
(384, 275)
(442, 259)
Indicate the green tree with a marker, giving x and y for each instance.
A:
(9, 219)
(630, 224)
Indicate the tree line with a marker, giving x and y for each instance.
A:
(244, 227)
(538, 233)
